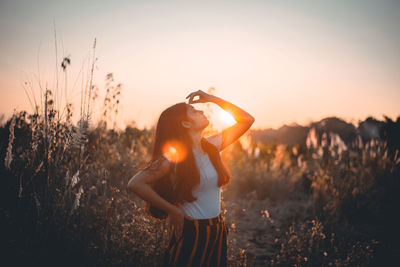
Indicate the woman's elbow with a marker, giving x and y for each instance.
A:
(252, 119)
(131, 186)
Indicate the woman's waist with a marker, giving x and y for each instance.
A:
(197, 210)
(203, 222)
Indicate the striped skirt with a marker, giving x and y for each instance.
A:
(203, 243)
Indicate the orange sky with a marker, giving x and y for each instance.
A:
(282, 61)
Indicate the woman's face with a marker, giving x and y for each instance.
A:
(197, 118)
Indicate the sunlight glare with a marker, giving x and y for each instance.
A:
(226, 118)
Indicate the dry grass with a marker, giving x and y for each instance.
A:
(64, 200)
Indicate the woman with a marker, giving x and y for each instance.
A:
(182, 182)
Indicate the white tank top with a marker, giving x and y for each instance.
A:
(208, 203)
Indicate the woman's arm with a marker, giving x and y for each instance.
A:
(139, 184)
(239, 114)
(243, 119)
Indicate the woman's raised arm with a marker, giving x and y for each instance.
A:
(243, 119)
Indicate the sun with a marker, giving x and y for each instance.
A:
(225, 118)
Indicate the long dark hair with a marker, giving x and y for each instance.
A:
(179, 189)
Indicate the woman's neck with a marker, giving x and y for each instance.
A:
(196, 138)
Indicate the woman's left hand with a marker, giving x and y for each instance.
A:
(203, 97)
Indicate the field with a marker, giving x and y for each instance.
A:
(318, 203)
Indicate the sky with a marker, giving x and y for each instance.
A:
(284, 62)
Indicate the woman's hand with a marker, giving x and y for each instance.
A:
(203, 97)
(176, 220)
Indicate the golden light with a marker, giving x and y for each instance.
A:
(226, 118)
(174, 151)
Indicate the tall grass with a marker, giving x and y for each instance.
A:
(63, 198)
(349, 195)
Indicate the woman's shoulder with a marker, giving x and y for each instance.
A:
(216, 140)
(169, 161)
(160, 165)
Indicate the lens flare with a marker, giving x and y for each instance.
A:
(174, 151)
